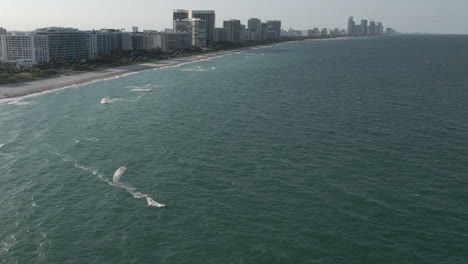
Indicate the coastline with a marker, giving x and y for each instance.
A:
(21, 89)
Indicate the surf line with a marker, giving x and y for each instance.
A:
(129, 189)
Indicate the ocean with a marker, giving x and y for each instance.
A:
(337, 151)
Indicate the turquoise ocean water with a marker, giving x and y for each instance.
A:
(340, 151)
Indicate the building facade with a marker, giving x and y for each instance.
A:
(180, 14)
(351, 27)
(100, 43)
(196, 27)
(234, 30)
(210, 17)
(255, 27)
(274, 29)
(170, 41)
(221, 35)
(363, 27)
(3, 31)
(25, 49)
(67, 44)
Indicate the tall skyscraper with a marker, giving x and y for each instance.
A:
(255, 27)
(210, 17)
(180, 14)
(234, 29)
(364, 27)
(372, 29)
(264, 30)
(351, 26)
(274, 26)
(379, 28)
(2, 31)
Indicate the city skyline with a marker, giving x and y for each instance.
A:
(417, 16)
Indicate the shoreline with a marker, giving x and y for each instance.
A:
(23, 89)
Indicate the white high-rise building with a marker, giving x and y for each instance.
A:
(196, 27)
(24, 49)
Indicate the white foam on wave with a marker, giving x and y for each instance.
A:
(1, 145)
(137, 195)
(141, 90)
(194, 70)
(20, 102)
(108, 100)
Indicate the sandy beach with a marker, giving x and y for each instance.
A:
(32, 87)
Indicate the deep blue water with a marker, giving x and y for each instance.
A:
(339, 151)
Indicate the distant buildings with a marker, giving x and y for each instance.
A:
(190, 29)
(364, 29)
(351, 27)
(24, 49)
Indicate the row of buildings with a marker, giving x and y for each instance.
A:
(201, 24)
(195, 28)
(366, 28)
(315, 32)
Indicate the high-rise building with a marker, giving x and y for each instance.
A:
(134, 29)
(180, 14)
(372, 30)
(210, 17)
(274, 29)
(324, 32)
(351, 26)
(24, 49)
(390, 31)
(379, 28)
(234, 29)
(138, 41)
(245, 33)
(364, 27)
(67, 44)
(2, 31)
(255, 27)
(100, 43)
(264, 30)
(196, 27)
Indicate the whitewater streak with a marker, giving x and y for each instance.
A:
(129, 189)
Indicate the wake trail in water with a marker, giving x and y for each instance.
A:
(131, 190)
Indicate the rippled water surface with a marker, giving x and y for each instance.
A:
(340, 151)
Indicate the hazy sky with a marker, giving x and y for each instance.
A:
(432, 16)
